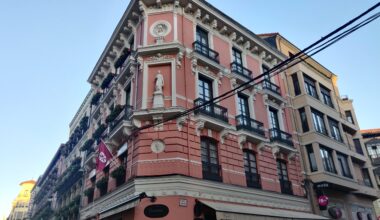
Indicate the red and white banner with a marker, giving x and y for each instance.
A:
(104, 156)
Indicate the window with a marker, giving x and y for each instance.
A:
(273, 115)
(366, 178)
(204, 88)
(327, 160)
(132, 43)
(243, 106)
(349, 117)
(358, 146)
(250, 167)
(343, 163)
(128, 95)
(266, 70)
(305, 125)
(210, 162)
(318, 121)
(296, 84)
(202, 36)
(282, 171)
(310, 86)
(373, 151)
(236, 55)
(334, 129)
(311, 156)
(326, 96)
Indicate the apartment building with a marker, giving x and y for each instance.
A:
(235, 159)
(21, 203)
(334, 161)
(371, 139)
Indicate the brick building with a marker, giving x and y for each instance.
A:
(236, 158)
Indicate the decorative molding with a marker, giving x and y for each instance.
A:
(158, 119)
(291, 156)
(242, 139)
(199, 125)
(194, 65)
(159, 57)
(275, 151)
(261, 147)
(224, 134)
(157, 146)
(181, 121)
(179, 59)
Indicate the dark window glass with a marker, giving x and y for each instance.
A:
(266, 70)
(311, 156)
(205, 88)
(326, 96)
(358, 146)
(343, 163)
(296, 84)
(366, 178)
(319, 122)
(202, 36)
(282, 171)
(334, 129)
(128, 96)
(310, 86)
(305, 125)
(250, 167)
(373, 151)
(349, 117)
(243, 106)
(327, 159)
(132, 43)
(273, 114)
(210, 162)
(236, 54)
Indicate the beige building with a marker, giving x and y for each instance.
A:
(334, 161)
(21, 203)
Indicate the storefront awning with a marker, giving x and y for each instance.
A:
(119, 206)
(225, 211)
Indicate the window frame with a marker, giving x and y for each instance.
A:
(303, 117)
(319, 125)
(313, 165)
(235, 59)
(327, 159)
(212, 159)
(344, 166)
(334, 128)
(326, 96)
(310, 86)
(296, 84)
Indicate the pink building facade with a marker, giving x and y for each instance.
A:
(237, 159)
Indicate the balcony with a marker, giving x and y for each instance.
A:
(211, 171)
(212, 110)
(121, 125)
(241, 71)
(252, 129)
(206, 51)
(276, 135)
(272, 91)
(253, 180)
(286, 187)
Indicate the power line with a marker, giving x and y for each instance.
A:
(301, 55)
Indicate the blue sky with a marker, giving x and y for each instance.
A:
(48, 49)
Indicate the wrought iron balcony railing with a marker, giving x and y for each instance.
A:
(213, 110)
(240, 70)
(271, 86)
(206, 51)
(286, 187)
(280, 136)
(123, 115)
(253, 180)
(211, 171)
(247, 123)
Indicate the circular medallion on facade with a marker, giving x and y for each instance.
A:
(157, 146)
(160, 28)
(102, 157)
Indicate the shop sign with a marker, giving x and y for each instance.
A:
(156, 211)
(323, 201)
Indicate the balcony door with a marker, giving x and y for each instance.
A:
(273, 116)
(205, 91)
(243, 109)
(202, 37)
(250, 167)
(210, 161)
(282, 172)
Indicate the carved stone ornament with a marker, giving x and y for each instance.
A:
(160, 28)
(157, 146)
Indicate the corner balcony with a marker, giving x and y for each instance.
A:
(214, 116)
(252, 129)
(243, 74)
(273, 91)
(282, 140)
(121, 126)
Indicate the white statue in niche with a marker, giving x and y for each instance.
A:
(158, 95)
(159, 83)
